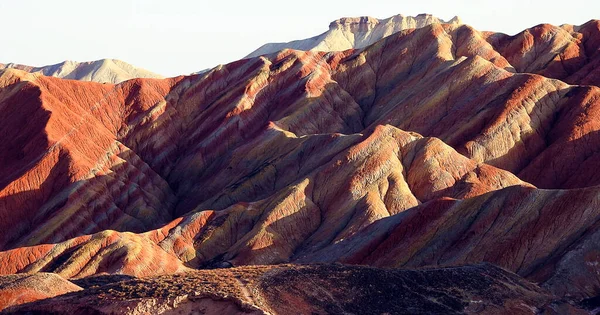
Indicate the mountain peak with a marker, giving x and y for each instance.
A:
(368, 21)
(351, 21)
(355, 32)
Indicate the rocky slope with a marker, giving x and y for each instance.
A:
(103, 71)
(435, 146)
(321, 207)
(319, 289)
(24, 288)
(358, 32)
(547, 236)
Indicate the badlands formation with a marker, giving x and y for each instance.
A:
(458, 165)
(103, 71)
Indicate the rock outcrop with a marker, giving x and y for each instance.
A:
(102, 71)
(358, 32)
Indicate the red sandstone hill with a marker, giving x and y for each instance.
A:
(437, 146)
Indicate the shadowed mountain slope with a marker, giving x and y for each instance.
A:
(318, 289)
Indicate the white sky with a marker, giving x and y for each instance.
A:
(173, 37)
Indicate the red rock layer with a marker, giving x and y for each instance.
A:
(64, 171)
(569, 53)
(21, 289)
(547, 236)
(453, 88)
(374, 177)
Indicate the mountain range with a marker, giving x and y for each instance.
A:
(103, 71)
(452, 152)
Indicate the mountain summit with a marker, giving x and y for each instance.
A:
(355, 32)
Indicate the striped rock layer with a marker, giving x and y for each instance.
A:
(24, 288)
(435, 146)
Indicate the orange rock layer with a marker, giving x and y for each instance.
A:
(21, 289)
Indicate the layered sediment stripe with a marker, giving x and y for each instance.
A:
(357, 185)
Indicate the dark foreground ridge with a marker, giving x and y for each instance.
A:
(311, 289)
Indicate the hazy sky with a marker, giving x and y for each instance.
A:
(173, 37)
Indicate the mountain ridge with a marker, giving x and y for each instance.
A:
(102, 71)
(357, 32)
